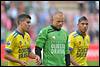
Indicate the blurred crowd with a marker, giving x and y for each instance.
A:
(41, 12)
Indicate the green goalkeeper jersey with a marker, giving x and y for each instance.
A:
(55, 46)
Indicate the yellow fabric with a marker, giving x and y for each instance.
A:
(79, 47)
(19, 47)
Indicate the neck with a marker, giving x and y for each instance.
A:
(20, 30)
(54, 27)
(83, 33)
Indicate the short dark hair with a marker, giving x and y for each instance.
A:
(22, 17)
(82, 19)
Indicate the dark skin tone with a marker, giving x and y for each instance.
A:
(82, 27)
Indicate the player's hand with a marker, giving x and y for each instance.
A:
(37, 60)
(23, 63)
(76, 64)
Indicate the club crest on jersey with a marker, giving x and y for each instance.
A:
(20, 46)
(8, 43)
(79, 42)
(53, 37)
(20, 42)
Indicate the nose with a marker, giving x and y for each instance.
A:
(29, 24)
(85, 25)
(61, 23)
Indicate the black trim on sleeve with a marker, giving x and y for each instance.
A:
(8, 50)
(67, 59)
(38, 51)
(29, 49)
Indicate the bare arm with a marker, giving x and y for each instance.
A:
(36, 57)
(11, 58)
(73, 61)
(32, 55)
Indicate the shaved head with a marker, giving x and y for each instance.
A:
(58, 15)
(58, 19)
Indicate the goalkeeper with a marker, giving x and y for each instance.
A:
(54, 42)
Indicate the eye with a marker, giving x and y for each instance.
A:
(60, 21)
(28, 22)
(82, 23)
(86, 23)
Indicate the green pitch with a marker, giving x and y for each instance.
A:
(32, 63)
(93, 63)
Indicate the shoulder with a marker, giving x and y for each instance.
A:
(65, 32)
(12, 36)
(74, 34)
(15, 34)
(27, 34)
(45, 29)
(88, 37)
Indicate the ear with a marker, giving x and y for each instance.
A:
(77, 23)
(20, 23)
(51, 18)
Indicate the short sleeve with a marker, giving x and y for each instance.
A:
(10, 42)
(71, 42)
(67, 46)
(41, 39)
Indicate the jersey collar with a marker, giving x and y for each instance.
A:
(55, 28)
(19, 33)
(78, 32)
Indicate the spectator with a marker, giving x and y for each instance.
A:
(91, 6)
(12, 13)
(4, 18)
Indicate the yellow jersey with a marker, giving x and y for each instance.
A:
(78, 46)
(18, 45)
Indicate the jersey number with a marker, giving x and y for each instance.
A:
(81, 52)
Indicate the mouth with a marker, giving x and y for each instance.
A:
(60, 26)
(28, 27)
(85, 30)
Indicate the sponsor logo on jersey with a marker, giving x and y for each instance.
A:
(79, 42)
(20, 42)
(8, 43)
(20, 46)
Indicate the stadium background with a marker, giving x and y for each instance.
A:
(41, 11)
